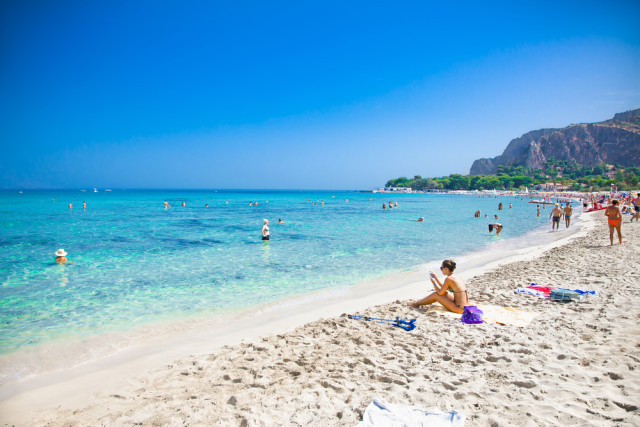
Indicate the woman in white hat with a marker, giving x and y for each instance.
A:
(60, 256)
(265, 229)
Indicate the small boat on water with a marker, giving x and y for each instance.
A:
(95, 190)
(107, 190)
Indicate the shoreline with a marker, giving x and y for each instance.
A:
(43, 391)
(114, 348)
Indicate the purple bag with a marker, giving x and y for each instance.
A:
(471, 314)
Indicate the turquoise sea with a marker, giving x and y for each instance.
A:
(134, 262)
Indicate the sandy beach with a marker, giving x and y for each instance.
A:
(576, 363)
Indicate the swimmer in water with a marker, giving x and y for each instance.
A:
(280, 221)
(184, 204)
(61, 256)
(166, 205)
(84, 205)
(497, 227)
(421, 219)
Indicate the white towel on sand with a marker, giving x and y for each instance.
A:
(382, 414)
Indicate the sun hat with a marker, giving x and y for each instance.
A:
(61, 252)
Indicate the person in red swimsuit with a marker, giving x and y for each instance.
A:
(615, 219)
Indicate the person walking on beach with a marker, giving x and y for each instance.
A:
(265, 229)
(455, 299)
(555, 213)
(615, 219)
(61, 256)
(567, 211)
(636, 207)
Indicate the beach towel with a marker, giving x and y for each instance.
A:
(507, 315)
(382, 414)
(529, 291)
(545, 291)
(494, 314)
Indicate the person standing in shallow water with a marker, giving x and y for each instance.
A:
(265, 229)
(567, 211)
(455, 299)
(555, 213)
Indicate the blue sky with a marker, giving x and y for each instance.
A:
(316, 95)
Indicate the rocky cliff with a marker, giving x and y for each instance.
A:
(612, 141)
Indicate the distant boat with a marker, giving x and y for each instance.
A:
(83, 190)
(95, 190)
(107, 190)
(20, 192)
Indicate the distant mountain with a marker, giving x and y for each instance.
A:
(589, 144)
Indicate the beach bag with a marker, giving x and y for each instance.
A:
(471, 315)
(564, 295)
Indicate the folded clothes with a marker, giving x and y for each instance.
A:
(382, 414)
(544, 289)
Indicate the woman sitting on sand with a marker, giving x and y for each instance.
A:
(455, 299)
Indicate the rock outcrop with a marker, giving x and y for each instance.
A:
(589, 144)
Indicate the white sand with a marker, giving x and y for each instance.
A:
(577, 363)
